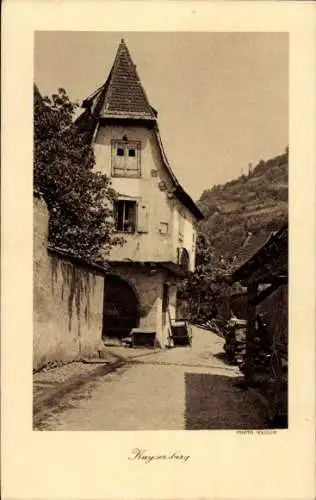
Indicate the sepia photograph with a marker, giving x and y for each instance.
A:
(160, 230)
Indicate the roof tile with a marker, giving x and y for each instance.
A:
(122, 95)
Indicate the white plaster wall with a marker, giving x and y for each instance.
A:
(189, 231)
(175, 230)
(150, 246)
(164, 335)
(149, 288)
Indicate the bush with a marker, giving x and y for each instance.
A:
(79, 200)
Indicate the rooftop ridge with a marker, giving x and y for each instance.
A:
(110, 77)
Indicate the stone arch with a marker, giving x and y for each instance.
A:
(184, 259)
(121, 307)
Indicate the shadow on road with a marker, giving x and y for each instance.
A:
(213, 402)
(222, 356)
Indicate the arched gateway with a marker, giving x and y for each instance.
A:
(120, 308)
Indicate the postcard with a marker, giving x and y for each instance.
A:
(158, 250)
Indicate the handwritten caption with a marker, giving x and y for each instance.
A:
(145, 457)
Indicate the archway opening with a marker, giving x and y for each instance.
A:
(120, 308)
(184, 259)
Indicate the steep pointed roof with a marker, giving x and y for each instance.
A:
(122, 95)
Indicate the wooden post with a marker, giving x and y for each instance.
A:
(252, 291)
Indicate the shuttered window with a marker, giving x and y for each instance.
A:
(131, 216)
(125, 216)
(125, 159)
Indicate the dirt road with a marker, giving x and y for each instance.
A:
(180, 388)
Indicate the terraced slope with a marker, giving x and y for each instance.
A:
(250, 204)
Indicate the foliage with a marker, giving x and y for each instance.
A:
(79, 200)
(204, 290)
(258, 201)
(247, 204)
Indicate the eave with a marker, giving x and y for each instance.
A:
(126, 116)
(153, 266)
(268, 264)
(97, 266)
(178, 192)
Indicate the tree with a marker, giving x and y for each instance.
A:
(207, 287)
(79, 200)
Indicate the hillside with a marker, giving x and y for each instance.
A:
(252, 203)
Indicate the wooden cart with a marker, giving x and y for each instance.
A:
(180, 332)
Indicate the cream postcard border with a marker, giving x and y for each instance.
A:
(95, 465)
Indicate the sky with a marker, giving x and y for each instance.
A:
(222, 98)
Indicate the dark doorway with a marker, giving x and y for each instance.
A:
(120, 308)
(181, 307)
(184, 259)
(165, 303)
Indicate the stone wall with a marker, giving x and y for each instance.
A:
(68, 301)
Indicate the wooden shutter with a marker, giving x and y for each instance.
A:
(118, 162)
(143, 217)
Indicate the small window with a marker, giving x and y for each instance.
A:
(120, 152)
(163, 227)
(125, 216)
(132, 153)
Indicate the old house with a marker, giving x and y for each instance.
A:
(264, 272)
(153, 213)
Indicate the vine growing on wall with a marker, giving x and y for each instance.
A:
(79, 199)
